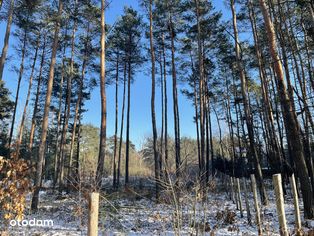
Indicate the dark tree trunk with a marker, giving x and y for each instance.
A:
(175, 104)
(116, 123)
(122, 124)
(153, 114)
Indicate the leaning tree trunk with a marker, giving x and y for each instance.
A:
(6, 38)
(41, 151)
(291, 124)
(247, 110)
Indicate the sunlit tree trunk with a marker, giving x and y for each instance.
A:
(103, 127)
(6, 37)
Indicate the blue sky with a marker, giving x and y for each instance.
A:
(141, 89)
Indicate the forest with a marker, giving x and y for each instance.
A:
(157, 117)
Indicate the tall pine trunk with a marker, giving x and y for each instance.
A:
(116, 123)
(121, 128)
(153, 114)
(6, 37)
(102, 142)
(127, 139)
(166, 103)
(175, 103)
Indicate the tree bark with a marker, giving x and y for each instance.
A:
(127, 148)
(6, 38)
(153, 114)
(116, 123)
(122, 124)
(103, 127)
(166, 103)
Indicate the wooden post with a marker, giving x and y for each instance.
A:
(298, 225)
(280, 204)
(93, 214)
(239, 196)
(258, 216)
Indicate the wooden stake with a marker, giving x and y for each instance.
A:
(93, 214)
(298, 225)
(280, 205)
(258, 216)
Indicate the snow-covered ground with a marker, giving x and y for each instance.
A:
(129, 213)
